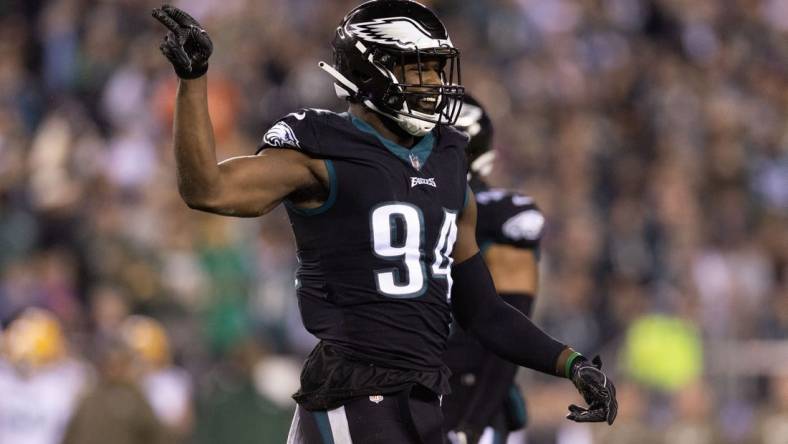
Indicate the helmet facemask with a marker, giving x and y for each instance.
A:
(422, 104)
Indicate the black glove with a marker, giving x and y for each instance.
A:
(597, 390)
(187, 46)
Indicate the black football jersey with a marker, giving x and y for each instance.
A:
(374, 274)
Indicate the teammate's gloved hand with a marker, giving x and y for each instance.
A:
(464, 437)
(187, 46)
(597, 390)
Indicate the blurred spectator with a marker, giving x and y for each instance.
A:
(167, 387)
(231, 409)
(40, 381)
(694, 423)
(115, 409)
(773, 425)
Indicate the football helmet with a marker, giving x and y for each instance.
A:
(34, 340)
(371, 47)
(148, 339)
(476, 124)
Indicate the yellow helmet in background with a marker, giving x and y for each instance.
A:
(147, 337)
(34, 339)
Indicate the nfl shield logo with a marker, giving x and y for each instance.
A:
(414, 160)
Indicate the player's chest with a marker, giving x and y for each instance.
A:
(375, 181)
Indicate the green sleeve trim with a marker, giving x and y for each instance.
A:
(324, 426)
(569, 362)
(332, 195)
(484, 246)
(467, 196)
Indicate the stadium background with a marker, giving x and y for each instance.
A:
(651, 132)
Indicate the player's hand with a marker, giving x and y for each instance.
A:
(187, 46)
(597, 390)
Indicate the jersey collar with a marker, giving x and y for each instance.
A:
(415, 157)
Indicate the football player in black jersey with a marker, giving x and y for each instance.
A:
(384, 225)
(485, 404)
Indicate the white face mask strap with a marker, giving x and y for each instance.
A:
(342, 81)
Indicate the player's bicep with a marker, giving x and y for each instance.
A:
(466, 246)
(514, 270)
(253, 185)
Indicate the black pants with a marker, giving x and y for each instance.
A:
(413, 416)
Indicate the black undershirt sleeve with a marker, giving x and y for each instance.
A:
(523, 302)
(499, 326)
(495, 377)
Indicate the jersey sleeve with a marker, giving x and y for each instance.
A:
(294, 131)
(509, 219)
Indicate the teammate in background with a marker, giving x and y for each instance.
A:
(167, 387)
(485, 404)
(381, 211)
(39, 383)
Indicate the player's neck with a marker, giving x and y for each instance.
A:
(384, 126)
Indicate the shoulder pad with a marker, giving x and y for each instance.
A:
(525, 226)
(510, 218)
(454, 135)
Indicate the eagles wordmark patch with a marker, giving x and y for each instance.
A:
(414, 181)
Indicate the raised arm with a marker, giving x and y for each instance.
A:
(244, 186)
(511, 335)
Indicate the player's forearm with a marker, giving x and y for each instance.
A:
(195, 154)
(515, 338)
(500, 327)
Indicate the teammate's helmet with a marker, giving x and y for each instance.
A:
(148, 339)
(476, 124)
(34, 340)
(378, 38)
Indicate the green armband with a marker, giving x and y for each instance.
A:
(569, 361)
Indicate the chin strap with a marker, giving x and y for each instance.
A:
(412, 126)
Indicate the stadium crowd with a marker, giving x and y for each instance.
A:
(653, 134)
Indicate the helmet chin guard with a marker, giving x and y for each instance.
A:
(381, 36)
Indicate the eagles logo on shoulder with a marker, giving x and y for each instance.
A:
(281, 135)
(526, 225)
